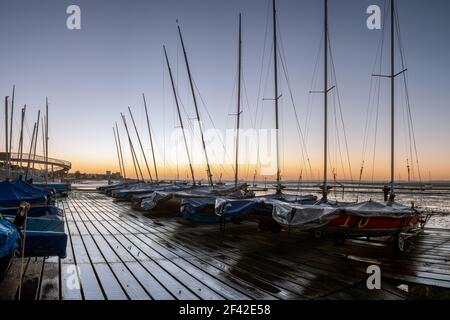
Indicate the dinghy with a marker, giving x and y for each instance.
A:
(11, 196)
(43, 229)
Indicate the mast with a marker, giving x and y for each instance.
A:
(275, 78)
(151, 139)
(6, 134)
(118, 153)
(22, 120)
(133, 152)
(121, 154)
(325, 104)
(238, 114)
(179, 116)
(46, 139)
(208, 168)
(29, 153)
(36, 137)
(140, 144)
(12, 121)
(392, 96)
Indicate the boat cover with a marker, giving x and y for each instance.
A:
(30, 188)
(320, 214)
(45, 231)
(206, 193)
(153, 199)
(199, 209)
(230, 206)
(12, 196)
(45, 244)
(40, 218)
(9, 238)
(54, 186)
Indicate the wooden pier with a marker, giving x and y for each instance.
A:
(114, 253)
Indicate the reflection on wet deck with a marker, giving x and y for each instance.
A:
(114, 253)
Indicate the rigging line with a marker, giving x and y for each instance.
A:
(195, 134)
(377, 113)
(408, 137)
(372, 91)
(340, 108)
(214, 126)
(338, 149)
(258, 98)
(312, 86)
(252, 119)
(371, 86)
(405, 80)
(304, 150)
(282, 55)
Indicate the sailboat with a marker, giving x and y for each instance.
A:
(368, 218)
(260, 208)
(170, 199)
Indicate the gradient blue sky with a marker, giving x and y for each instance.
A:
(93, 74)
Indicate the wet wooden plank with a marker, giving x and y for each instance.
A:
(50, 280)
(70, 282)
(109, 283)
(132, 287)
(32, 279)
(156, 290)
(10, 283)
(89, 283)
(178, 290)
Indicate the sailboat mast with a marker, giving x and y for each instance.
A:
(12, 121)
(118, 153)
(179, 116)
(121, 153)
(6, 133)
(392, 95)
(46, 139)
(275, 71)
(140, 144)
(325, 104)
(151, 139)
(208, 168)
(22, 120)
(36, 138)
(133, 152)
(238, 114)
(29, 153)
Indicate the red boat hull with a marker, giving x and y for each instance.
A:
(362, 225)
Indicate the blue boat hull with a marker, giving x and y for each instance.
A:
(45, 231)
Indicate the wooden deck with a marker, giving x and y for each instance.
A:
(115, 253)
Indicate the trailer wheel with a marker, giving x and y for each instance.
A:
(400, 243)
(317, 234)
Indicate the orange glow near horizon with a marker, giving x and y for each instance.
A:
(290, 171)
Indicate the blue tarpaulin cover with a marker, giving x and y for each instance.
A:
(9, 237)
(12, 196)
(30, 188)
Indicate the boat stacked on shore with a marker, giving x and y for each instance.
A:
(30, 226)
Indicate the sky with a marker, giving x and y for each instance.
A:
(93, 74)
